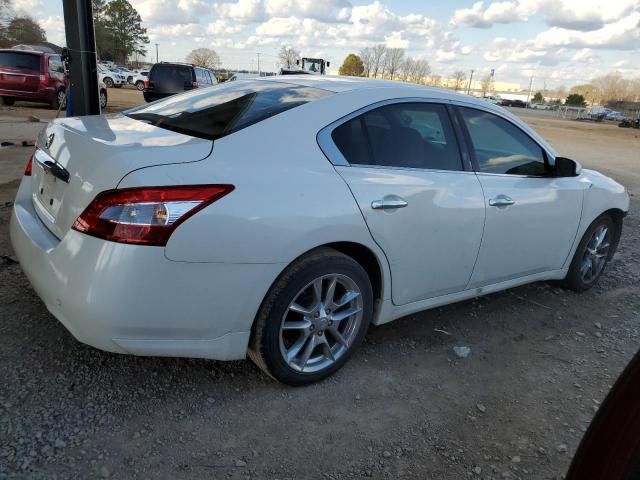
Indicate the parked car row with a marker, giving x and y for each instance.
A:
(119, 76)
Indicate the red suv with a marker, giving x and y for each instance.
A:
(31, 76)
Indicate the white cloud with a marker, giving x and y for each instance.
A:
(28, 7)
(323, 10)
(54, 29)
(581, 15)
(170, 12)
(245, 11)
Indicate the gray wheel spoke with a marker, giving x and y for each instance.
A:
(346, 313)
(326, 349)
(317, 291)
(328, 298)
(348, 297)
(296, 325)
(586, 266)
(308, 350)
(293, 352)
(338, 336)
(294, 307)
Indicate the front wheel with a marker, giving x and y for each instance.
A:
(140, 85)
(592, 255)
(108, 81)
(118, 85)
(313, 318)
(103, 98)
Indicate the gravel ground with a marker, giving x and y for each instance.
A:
(541, 361)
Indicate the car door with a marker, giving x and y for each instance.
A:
(403, 165)
(532, 216)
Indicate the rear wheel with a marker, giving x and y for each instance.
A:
(313, 318)
(8, 101)
(60, 101)
(592, 255)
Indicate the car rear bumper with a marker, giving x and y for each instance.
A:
(132, 299)
(45, 95)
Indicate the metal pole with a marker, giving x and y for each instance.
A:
(259, 64)
(529, 94)
(81, 44)
(470, 80)
(156, 53)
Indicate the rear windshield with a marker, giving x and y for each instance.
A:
(20, 60)
(175, 74)
(220, 110)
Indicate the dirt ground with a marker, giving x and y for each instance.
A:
(542, 359)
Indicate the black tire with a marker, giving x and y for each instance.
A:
(119, 85)
(108, 81)
(575, 279)
(8, 101)
(60, 101)
(103, 97)
(140, 85)
(264, 346)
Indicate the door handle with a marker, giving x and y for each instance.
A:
(388, 204)
(501, 201)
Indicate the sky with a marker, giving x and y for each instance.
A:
(557, 42)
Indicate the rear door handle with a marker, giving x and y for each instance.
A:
(501, 201)
(388, 204)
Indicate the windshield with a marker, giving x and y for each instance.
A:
(218, 111)
(312, 65)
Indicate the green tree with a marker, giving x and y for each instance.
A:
(352, 66)
(538, 98)
(104, 38)
(25, 30)
(124, 27)
(575, 100)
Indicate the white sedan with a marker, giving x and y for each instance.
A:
(280, 217)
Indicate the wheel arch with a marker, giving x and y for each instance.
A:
(362, 254)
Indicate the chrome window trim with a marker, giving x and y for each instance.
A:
(333, 154)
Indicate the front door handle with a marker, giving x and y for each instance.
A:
(501, 201)
(388, 204)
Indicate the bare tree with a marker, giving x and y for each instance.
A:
(407, 69)
(393, 60)
(378, 54)
(486, 85)
(366, 55)
(421, 71)
(459, 78)
(435, 80)
(204, 57)
(288, 56)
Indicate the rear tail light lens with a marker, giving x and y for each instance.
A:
(146, 83)
(194, 85)
(145, 216)
(29, 167)
(44, 79)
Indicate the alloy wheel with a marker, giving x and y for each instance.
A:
(321, 323)
(595, 254)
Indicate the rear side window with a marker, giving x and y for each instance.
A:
(501, 147)
(410, 135)
(223, 109)
(28, 61)
(172, 74)
(55, 64)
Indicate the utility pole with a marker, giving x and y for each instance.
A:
(470, 80)
(259, 64)
(156, 53)
(84, 97)
(529, 94)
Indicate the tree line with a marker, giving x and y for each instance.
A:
(17, 29)
(119, 31)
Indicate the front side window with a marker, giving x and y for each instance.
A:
(225, 108)
(410, 135)
(55, 64)
(501, 147)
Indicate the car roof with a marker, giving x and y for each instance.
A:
(339, 84)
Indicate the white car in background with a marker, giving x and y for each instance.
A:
(281, 217)
(139, 79)
(111, 78)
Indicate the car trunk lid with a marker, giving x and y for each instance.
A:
(77, 158)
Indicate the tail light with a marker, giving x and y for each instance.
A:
(44, 79)
(29, 167)
(194, 85)
(146, 83)
(145, 216)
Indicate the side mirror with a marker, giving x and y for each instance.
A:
(298, 62)
(328, 64)
(565, 167)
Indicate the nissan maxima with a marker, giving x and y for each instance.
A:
(279, 218)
